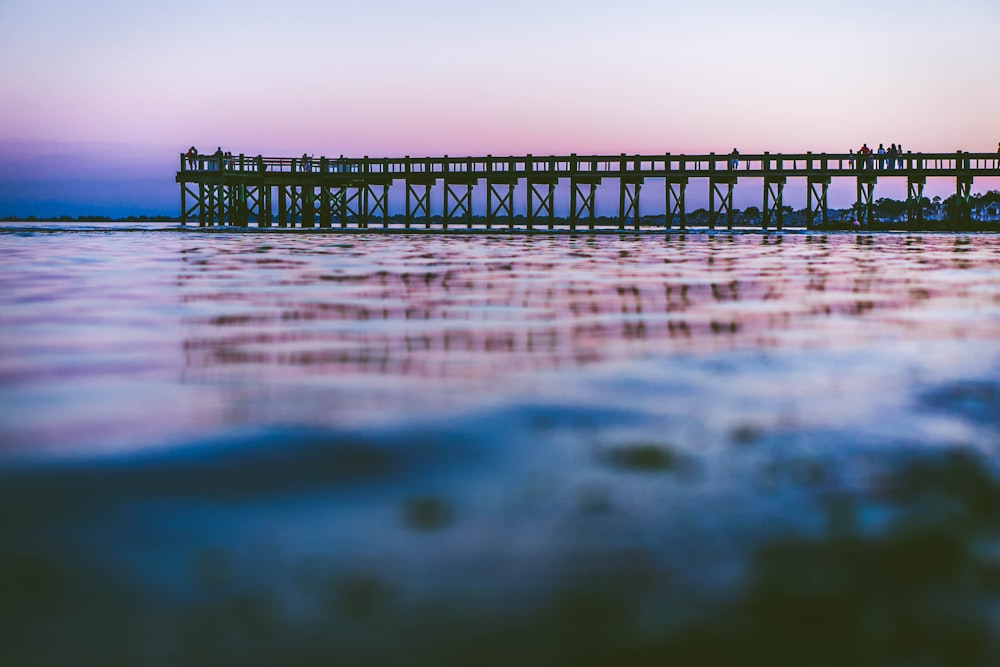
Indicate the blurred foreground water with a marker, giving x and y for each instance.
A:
(285, 448)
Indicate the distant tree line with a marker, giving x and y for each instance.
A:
(951, 213)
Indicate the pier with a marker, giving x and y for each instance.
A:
(353, 193)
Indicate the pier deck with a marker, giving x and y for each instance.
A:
(354, 192)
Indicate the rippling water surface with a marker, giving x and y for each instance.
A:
(381, 449)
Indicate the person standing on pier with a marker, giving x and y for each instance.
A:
(866, 156)
(192, 157)
(881, 157)
(899, 155)
(890, 160)
(734, 159)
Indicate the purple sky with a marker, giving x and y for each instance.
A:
(100, 97)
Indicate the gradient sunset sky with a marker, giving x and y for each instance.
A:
(100, 97)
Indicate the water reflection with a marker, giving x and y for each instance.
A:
(427, 307)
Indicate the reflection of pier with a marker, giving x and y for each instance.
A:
(354, 192)
(504, 316)
(421, 336)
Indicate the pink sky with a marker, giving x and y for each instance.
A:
(442, 76)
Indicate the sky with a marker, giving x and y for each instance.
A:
(99, 98)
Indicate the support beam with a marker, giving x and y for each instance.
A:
(377, 196)
(541, 190)
(308, 195)
(282, 206)
(914, 199)
(225, 205)
(270, 206)
(500, 200)
(630, 187)
(202, 205)
(294, 205)
(196, 209)
(362, 199)
(964, 192)
(865, 203)
(458, 202)
(676, 187)
(210, 207)
(336, 194)
(264, 206)
(418, 201)
(253, 195)
(581, 201)
(219, 194)
(325, 214)
(338, 214)
(184, 209)
(816, 200)
(237, 206)
(774, 192)
(241, 206)
(724, 198)
(349, 204)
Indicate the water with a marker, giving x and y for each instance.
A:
(393, 449)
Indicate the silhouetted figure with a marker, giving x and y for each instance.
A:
(192, 157)
(866, 156)
(734, 159)
(881, 156)
(261, 166)
(899, 155)
(890, 160)
(218, 158)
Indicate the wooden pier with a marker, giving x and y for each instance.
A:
(353, 193)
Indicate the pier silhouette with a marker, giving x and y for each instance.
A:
(353, 193)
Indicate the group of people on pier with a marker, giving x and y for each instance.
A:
(881, 158)
(309, 163)
(215, 162)
(220, 160)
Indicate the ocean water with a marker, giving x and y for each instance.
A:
(233, 447)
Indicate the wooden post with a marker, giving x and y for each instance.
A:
(729, 203)
(552, 192)
(201, 205)
(572, 190)
(324, 193)
(529, 167)
(621, 192)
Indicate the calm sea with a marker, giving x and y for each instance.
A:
(305, 448)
